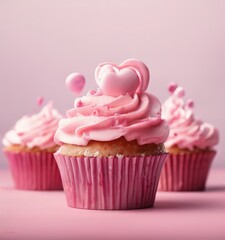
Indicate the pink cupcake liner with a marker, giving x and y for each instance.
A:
(185, 172)
(110, 182)
(34, 170)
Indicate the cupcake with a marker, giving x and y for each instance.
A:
(190, 145)
(29, 147)
(112, 141)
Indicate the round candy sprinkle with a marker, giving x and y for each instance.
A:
(75, 82)
(190, 103)
(40, 101)
(172, 87)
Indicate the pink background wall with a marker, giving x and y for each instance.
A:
(41, 42)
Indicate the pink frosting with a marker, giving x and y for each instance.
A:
(186, 131)
(123, 109)
(36, 130)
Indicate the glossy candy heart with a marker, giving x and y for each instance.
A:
(131, 76)
(75, 82)
(114, 81)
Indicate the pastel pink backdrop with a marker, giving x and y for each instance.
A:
(41, 42)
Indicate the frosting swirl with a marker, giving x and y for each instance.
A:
(186, 131)
(36, 130)
(122, 110)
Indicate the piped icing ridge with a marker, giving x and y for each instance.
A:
(186, 131)
(35, 130)
(119, 108)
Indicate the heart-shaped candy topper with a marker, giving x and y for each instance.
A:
(116, 82)
(131, 76)
(75, 82)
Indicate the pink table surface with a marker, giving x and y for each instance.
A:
(45, 215)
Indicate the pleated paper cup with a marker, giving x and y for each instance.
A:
(186, 172)
(110, 183)
(34, 170)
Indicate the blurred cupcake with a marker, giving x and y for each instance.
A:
(112, 148)
(190, 145)
(29, 147)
